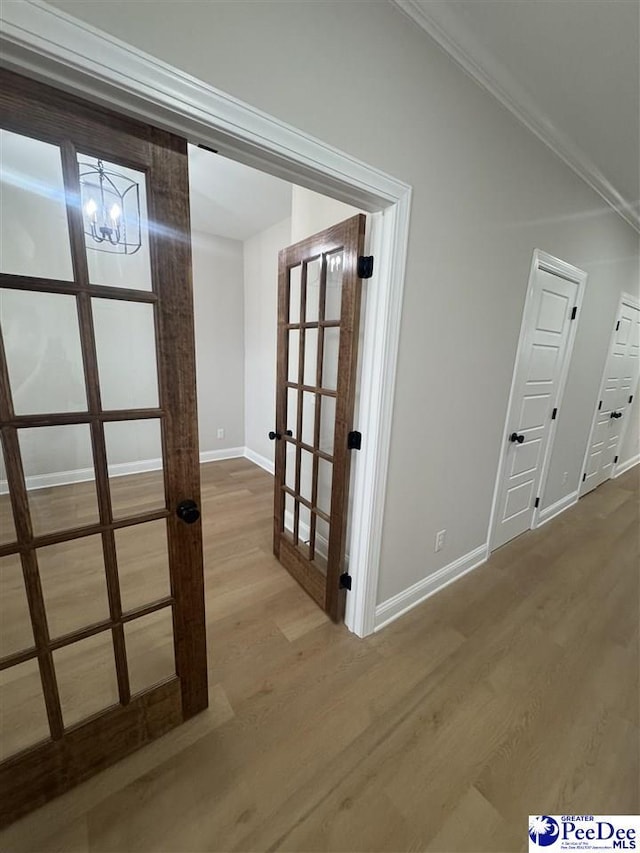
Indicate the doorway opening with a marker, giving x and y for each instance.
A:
(47, 45)
(166, 97)
(266, 322)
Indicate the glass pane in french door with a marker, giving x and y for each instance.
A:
(335, 268)
(60, 476)
(74, 584)
(149, 642)
(7, 524)
(34, 232)
(44, 355)
(115, 221)
(86, 676)
(126, 352)
(143, 564)
(23, 721)
(135, 464)
(16, 634)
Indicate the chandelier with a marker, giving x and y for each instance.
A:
(110, 210)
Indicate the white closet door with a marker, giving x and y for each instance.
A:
(619, 384)
(542, 361)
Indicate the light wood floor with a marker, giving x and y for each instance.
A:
(513, 691)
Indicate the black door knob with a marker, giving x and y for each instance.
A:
(616, 415)
(515, 437)
(188, 511)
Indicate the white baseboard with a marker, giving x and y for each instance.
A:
(84, 475)
(394, 607)
(261, 461)
(219, 455)
(623, 467)
(121, 469)
(556, 508)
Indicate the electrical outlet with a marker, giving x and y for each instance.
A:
(440, 537)
(565, 477)
(221, 433)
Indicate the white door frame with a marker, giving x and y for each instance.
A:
(43, 42)
(548, 263)
(633, 302)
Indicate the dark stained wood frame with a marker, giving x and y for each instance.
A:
(320, 581)
(33, 776)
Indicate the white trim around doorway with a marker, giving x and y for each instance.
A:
(43, 42)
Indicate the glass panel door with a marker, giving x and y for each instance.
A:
(101, 580)
(318, 322)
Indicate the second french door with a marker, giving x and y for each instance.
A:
(319, 298)
(102, 630)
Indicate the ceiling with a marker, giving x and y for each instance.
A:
(232, 200)
(569, 69)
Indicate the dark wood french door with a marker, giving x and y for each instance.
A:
(102, 624)
(319, 297)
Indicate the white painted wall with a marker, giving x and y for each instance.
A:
(486, 193)
(260, 331)
(218, 308)
(312, 212)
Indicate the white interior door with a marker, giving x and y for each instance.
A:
(546, 340)
(619, 384)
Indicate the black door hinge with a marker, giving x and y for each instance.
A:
(554, 414)
(599, 405)
(354, 440)
(615, 459)
(617, 325)
(365, 266)
(631, 398)
(584, 476)
(345, 581)
(574, 312)
(537, 503)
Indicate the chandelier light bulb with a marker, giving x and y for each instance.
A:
(91, 208)
(114, 213)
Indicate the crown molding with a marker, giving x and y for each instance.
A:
(494, 78)
(50, 45)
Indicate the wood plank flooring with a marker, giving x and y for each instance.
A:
(513, 691)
